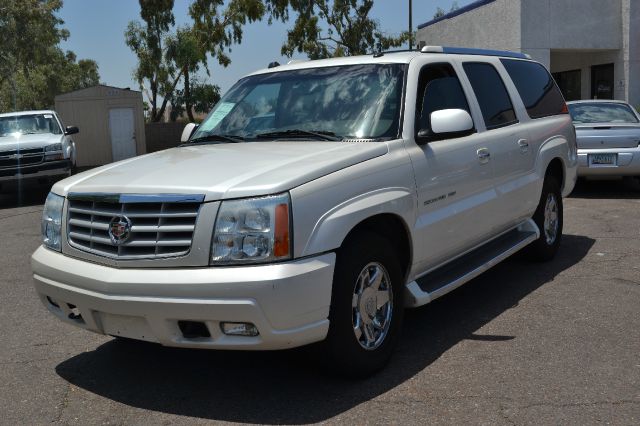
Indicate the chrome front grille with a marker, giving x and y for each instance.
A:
(156, 225)
(21, 157)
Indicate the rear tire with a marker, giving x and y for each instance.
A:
(548, 218)
(367, 306)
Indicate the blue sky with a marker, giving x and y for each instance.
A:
(97, 32)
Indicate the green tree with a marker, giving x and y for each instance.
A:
(188, 54)
(166, 58)
(37, 88)
(203, 98)
(338, 28)
(218, 28)
(154, 72)
(440, 12)
(33, 69)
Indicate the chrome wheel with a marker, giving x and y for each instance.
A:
(551, 222)
(372, 306)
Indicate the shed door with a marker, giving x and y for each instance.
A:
(123, 135)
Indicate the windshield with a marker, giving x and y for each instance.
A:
(602, 113)
(356, 101)
(29, 124)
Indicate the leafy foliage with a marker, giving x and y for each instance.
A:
(201, 99)
(147, 42)
(218, 29)
(440, 12)
(325, 29)
(33, 69)
(166, 58)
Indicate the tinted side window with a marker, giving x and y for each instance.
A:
(491, 93)
(438, 88)
(536, 87)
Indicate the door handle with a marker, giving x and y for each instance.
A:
(524, 145)
(483, 155)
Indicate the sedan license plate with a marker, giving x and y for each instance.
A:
(603, 160)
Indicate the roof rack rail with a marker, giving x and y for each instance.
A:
(380, 53)
(470, 51)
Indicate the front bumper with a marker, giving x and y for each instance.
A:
(287, 302)
(42, 170)
(628, 163)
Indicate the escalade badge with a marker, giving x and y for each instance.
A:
(119, 230)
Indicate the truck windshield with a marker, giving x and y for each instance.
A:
(331, 103)
(29, 124)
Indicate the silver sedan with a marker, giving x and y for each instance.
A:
(608, 136)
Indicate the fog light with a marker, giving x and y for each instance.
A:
(239, 329)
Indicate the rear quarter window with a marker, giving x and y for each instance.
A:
(536, 87)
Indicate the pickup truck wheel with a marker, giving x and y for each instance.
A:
(548, 217)
(366, 306)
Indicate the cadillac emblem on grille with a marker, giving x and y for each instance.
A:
(119, 229)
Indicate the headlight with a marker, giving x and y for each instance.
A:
(53, 152)
(255, 230)
(52, 221)
(53, 147)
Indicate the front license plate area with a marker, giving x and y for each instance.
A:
(603, 160)
(126, 326)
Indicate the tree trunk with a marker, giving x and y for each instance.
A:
(187, 96)
(166, 98)
(154, 101)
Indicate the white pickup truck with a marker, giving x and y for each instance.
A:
(314, 203)
(34, 145)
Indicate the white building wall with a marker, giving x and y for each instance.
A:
(631, 43)
(478, 28)
(571, 24)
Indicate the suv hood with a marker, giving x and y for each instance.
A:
(12, 143)
(223, 170)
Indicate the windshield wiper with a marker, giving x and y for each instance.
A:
(215, 138)
(293, 133)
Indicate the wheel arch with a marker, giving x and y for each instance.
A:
(556, 169)
(555, 158)
(387, 212)
(391, 227)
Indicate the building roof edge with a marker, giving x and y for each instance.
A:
(467, 8)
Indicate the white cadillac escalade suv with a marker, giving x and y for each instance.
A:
(315, 202)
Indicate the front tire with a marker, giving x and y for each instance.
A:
(367, 306)
(549, 219)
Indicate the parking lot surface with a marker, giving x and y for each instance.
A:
(526, 343)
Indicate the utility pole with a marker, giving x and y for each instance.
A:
(410, 25)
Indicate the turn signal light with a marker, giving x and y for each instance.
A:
(281, 234)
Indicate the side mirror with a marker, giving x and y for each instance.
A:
(187, 132)
(71, 130)
(447, 124)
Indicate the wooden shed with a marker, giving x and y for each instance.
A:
(111, 123)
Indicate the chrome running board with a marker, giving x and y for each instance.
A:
(452, 275)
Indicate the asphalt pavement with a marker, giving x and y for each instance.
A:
(526, 343)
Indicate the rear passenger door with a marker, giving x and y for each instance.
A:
(543, 112)
(506, 140)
